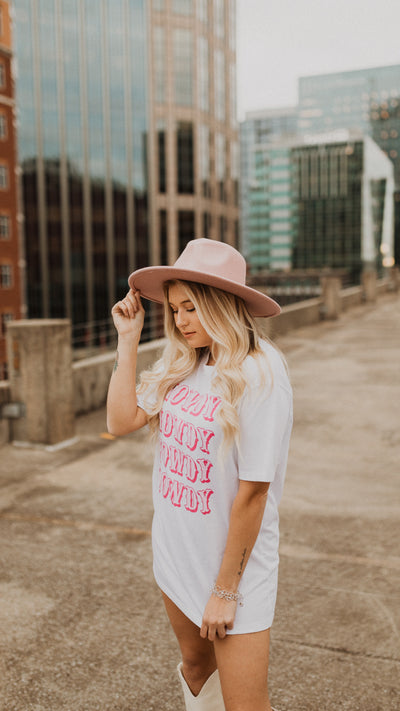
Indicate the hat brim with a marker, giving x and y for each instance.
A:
(150, 280)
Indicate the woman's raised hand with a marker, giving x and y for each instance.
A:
(128, 315)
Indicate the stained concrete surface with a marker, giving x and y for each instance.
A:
(81, 621)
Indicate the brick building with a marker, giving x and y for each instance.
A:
(10, 280)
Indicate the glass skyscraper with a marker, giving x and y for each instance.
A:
(366, 100)
(127, 143)
(83, 125)
(272, 214)
(322, 202)
(258, 129)
(194, 127)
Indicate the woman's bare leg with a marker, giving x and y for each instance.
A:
(242, 661)
(198, 656)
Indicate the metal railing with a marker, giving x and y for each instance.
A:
(94, 337)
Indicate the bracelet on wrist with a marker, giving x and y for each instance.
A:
(227, 594)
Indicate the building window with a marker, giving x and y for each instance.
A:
(202, 10)
(182, 7)
(5, 227)
(185, 158)
(158, 5)
(160, 63)
(333, 173)
(235, 170)
(2, 75)
(237, 234)
(219, 18)
(204, 159)
(163, 227)
(3, 127)
(219, 84)
(183, 67)
(220, 164)
(6, 276)
(162, 156)
(185, 228)
(3, 177)
(222, 228)
(232, 94)
(6, 316)
(203, 74)
(206, 224)
(232, 24)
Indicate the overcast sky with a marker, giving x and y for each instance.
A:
(281, 40)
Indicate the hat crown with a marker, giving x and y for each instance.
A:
(208, 262)
(212, 257)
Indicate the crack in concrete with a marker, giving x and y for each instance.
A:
(336, 650)
(293, 551)
(80, 525)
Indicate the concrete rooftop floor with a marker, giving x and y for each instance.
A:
(82, 625)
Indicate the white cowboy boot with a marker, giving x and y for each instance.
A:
(209, 698)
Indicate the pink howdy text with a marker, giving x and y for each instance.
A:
(182, 495)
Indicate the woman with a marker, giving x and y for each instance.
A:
(221, 403)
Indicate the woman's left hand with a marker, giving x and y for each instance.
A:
(219, 616)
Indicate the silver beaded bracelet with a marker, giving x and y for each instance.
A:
(227, 594)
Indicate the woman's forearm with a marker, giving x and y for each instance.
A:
(121, 398)
(244, 525)
(245, 522)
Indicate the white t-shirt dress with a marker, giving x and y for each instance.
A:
(194, 488)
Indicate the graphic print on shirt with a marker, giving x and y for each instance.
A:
(185, 465)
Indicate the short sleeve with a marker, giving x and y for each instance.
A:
(147, 399)
(265, 426)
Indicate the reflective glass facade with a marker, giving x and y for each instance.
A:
(183, 67)
(272, 213)
(258, 129)
(367, 100)
(83, 108)
(329, 194)
(128, 143)
(193, 47)
(316, 205)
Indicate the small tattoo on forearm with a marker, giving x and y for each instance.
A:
(116, 363)
(240, 571)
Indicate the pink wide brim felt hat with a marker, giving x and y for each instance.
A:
(205, 261)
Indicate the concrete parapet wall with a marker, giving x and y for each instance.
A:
(383, 286)
(352, 296)
(39, 361)
(92, 375)
(304, 313)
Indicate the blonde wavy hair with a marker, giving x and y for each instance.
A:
(235, 334)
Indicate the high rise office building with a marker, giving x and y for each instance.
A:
(10, 254)
(82, 131)
(127, 143)
(322, 202)
(193, 123)
(366, 100)
(259, 128)
(343, 189)
(272, 214)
